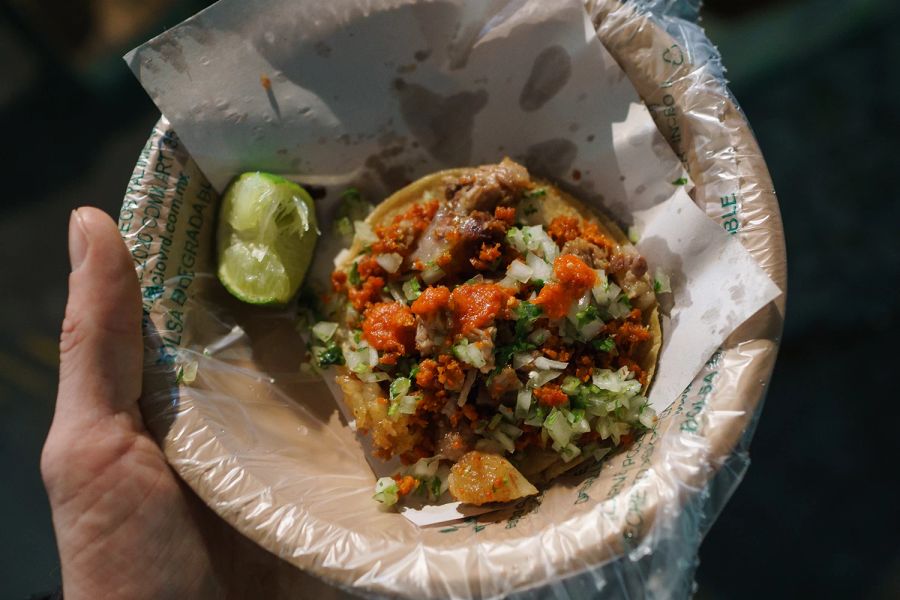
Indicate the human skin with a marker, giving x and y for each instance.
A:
(126, 526)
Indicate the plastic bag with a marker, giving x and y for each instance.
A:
(221, 379)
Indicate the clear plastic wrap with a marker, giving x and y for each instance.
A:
(222, 379)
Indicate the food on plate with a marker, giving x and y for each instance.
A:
(492, 332)
(265, 239)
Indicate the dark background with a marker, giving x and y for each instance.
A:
(818, 514)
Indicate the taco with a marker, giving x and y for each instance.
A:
(495, 332)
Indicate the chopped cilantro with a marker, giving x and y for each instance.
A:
(607, 345)
(536, 192)
(331, 355)
(505, 353)
(436, 486)
(625, 300)
(414, 371)
(353, 277)
(351, 194)
(587, 315)
(526, 315)
(352, 208)
(411, 289)
(656, 285)
(680, 181)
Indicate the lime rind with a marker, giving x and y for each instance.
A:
(267, 233)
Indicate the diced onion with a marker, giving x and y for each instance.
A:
(408, 404)
(386, 491)
(569, 452)
(466, 387)
(390, 262)
(509, 283)
(425, 468)
(533, 239)
(539, 336)
(396, 292)
(618, 309)
(432, 274)
(324, 330)
(470, 354)
(607, 380)
(505, 441)
(577, 307)
(558, 428)
(581, 426)
(362, 359)
(590, 331)
(661, 282)
(519, 271)
(540, 268)
(399, 387)
(411, 289)
(511, 430)
(522, 359)
(373, 376)
(647, 417)
(506, 412)
(542, 362)
(364, 233)
(523, 403)
(538, 378)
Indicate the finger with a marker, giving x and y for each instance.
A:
(101, 349)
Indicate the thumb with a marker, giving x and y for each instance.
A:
(101, 347)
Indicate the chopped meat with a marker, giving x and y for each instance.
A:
(452, 239)
(593, 255)
(402, 233)
(426, 378)
(564, 229)
(629, 271)
(503, 382)
(450, 373)
(506, 214)
(424, 342)
(551, 395)
(623, 262)
(487, 257)
(486, 187)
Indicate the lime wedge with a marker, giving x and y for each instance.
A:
(266, 236)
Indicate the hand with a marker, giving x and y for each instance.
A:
(126, 526)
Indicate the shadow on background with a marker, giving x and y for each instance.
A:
(817, 513)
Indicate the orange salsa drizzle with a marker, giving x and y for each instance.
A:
(390, 327)
(573, 279)
(475, 305)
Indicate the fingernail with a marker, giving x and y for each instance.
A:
(78, 240)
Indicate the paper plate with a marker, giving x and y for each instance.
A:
(264, 446)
